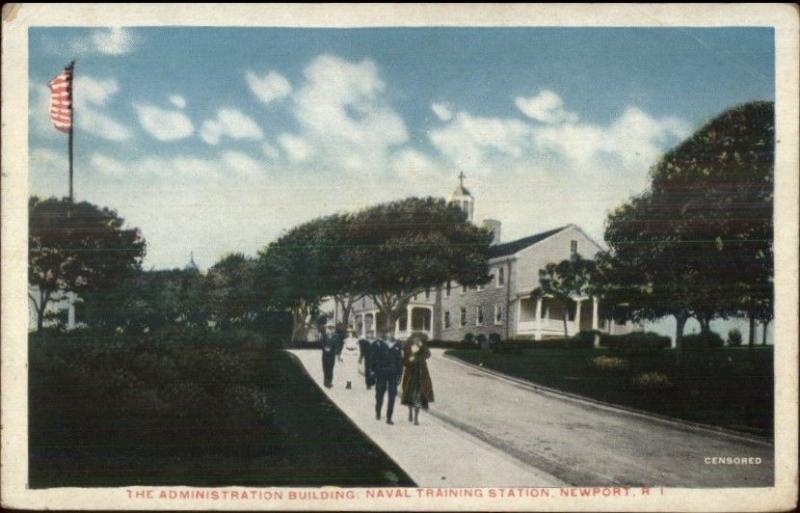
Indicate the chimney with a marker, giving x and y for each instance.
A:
(493, 225)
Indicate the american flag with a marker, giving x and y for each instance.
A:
(61, 100)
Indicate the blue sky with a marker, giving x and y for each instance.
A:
(214, 140)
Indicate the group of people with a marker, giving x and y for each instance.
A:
(381, 362)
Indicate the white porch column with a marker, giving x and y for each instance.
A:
(539, 319)
(578, 315)
(595, 316)
(409, 308)
(71, 311)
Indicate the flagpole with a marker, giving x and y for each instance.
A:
(71, 126)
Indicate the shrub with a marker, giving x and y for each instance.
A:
(651, 381)
(587, 337)
(495, 340)
(576, 342)
(469, 339)
(702, 341)
(635, 342)
(734, 337)
(445, 344)
(482, 341)
(609, 363)
(139, 386)
(420, 335)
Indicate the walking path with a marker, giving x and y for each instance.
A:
(483, 430)
(433, 454)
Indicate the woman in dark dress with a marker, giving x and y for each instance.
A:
(417, 385)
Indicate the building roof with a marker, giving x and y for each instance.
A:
(515, 246)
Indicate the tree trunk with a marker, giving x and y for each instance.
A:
(566, 314)
(705, 325)
(680, 324)
(389, 320)
(751, 337)
(44, 298)
(764, 332)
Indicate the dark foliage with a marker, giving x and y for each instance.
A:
(729, 387)
(702, 341)
(186, 407)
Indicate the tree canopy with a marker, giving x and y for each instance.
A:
(565, 280)
(77, 247)
(389, 251)
(698, 243)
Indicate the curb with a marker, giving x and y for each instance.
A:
(655, 417)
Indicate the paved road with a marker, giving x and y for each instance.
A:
(504, 434)
(584, 444)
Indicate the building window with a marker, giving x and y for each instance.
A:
(463, 317)
(478, 316)
(447, 289)
(501, 277)
(498, 314)
(363, 302)
(573, 247)
(446, 320)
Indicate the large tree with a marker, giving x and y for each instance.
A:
(698, 243)
(290, 269)
(389, 252)
(401, 248)
(564, 281)
(230, 290)
(77, 247)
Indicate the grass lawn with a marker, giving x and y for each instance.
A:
(196, 413)
(728, 387)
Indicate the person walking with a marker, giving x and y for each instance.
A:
(329, 347)
(349, 359)
(388, 365)
(417, 386)
(366, 346)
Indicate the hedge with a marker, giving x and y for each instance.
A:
(636, 341)
(702, 341)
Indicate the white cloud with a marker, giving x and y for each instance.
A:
(473, 142)
(634, 138)
(230, 123)
(546, 107)
(270, 151)
(343, 115)
(104, 41)
(91, 94)
(442, 111)
(295, 147)
(270, 87)
(417, 170)
(106, 164)
(178, 101)
(536, 176)
(164, 125)
(242, 163)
